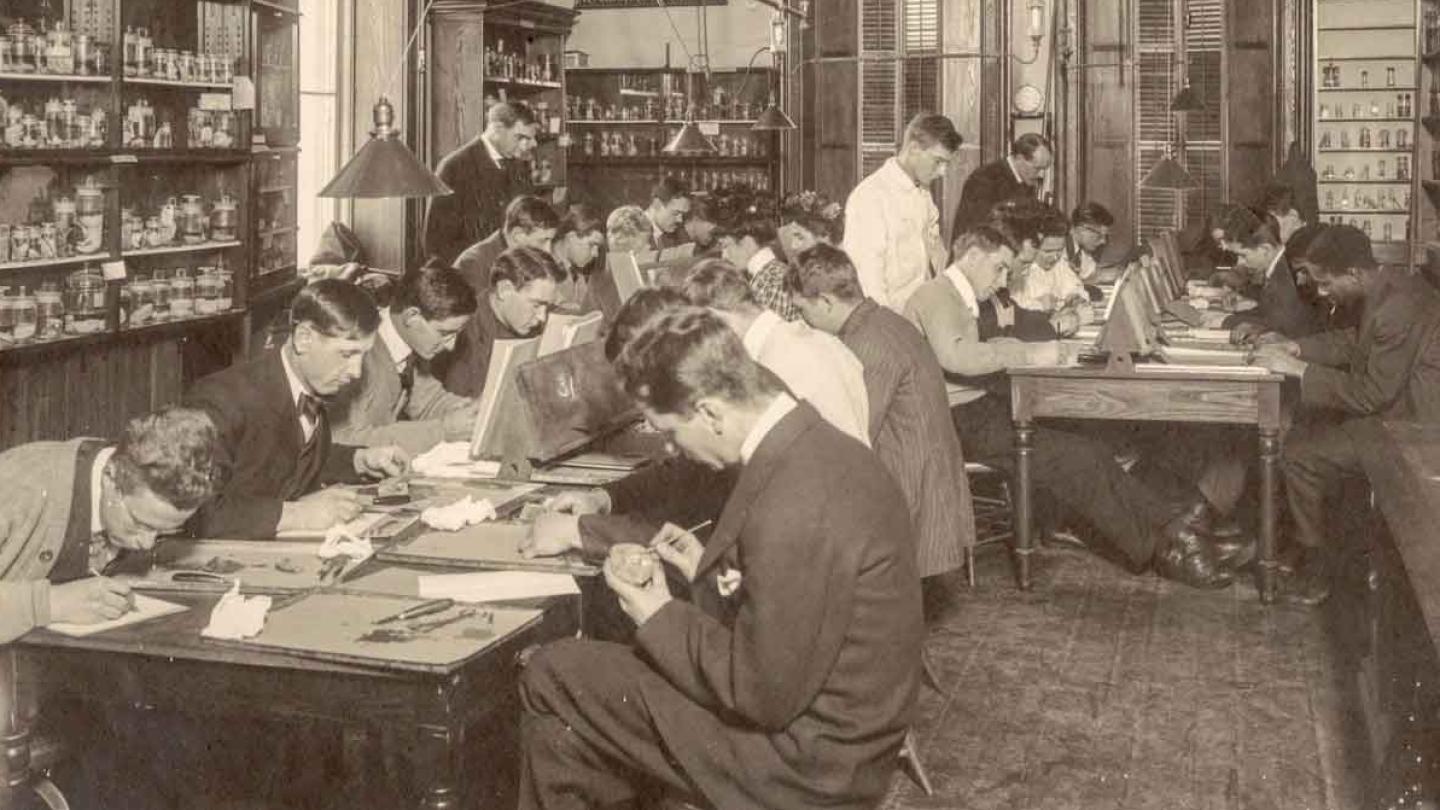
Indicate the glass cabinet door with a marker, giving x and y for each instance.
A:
(277, 92)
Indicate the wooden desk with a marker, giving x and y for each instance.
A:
(1094, 393)
(164, 664)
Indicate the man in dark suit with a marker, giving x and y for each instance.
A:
(1387, 368)
(1019, 174)
(529, 222)
(1281, 309)
(669, 206)
(270, 414)
(790, 677)
(524, 286)
(485, 174)
(910, 425)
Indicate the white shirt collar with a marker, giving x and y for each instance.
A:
(1279, 254)
(762, 257)
(96, 473)
(492, 151)
(296, 386)
(759, 332)
(780, 406)
(400, 351)
(898, 177)
(963, 286)
(1010, 161)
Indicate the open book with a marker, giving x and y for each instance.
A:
(505, 357)
(563, 330)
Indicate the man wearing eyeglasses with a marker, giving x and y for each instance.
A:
(71, 508)
(1048, 284)
(1090, 225)
(398, 400)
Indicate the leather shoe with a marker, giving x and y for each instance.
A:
(1182, 556)
(1202, 517)
(1310, 584)
(1232, 554)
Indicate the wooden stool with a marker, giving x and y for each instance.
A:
(994, 515)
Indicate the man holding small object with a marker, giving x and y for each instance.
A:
(768, 688)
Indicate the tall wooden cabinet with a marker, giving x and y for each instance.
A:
(128, 205)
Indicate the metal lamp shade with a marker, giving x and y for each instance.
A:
(1187, 100)
(689, 141)
(1169, 174)
(385, 167)
(773, 118)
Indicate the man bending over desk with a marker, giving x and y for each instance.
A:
(791, 677)
(1281, 308)
(70, 508)
(1079, 472)
(1389, 368)
(273, 424)
(397, 399)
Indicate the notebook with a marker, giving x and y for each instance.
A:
(563, 330)
(505, 357)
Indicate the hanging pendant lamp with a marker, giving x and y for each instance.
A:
(385, 166)
(1167, 173)
(689, 141)
(773, 119)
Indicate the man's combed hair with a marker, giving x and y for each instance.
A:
(986, 238)
(582, 219)
(509, 113)
(1028, 144)
(719, 284)
(1340, 249)
(335, 308)
(437, 291)
(1298, 246)
(685, 354)
(824, 269)
(1022, 219)
(529, 213)
(642, 306)
(1092, 214)
(928, 129)
(522, 265)
(669, 188)
(626, 223)
(174, 453)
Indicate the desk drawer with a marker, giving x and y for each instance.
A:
(1139, 399)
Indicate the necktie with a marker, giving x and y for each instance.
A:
(407, 384)
(312, 411)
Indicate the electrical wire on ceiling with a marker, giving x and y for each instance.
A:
(680, 38)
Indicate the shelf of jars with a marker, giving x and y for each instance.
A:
(199, 247)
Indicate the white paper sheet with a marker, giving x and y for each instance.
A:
(496, 586)
(144, 609)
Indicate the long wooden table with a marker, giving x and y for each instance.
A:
(1086, 392)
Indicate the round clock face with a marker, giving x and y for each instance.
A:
(1029, 100)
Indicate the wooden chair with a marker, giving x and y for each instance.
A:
(994, 514)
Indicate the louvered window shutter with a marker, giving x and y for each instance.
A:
(894, 85)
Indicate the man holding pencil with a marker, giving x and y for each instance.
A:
(70, 508)
(789, 676)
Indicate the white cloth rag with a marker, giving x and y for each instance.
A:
(237, 617)
(458, 515)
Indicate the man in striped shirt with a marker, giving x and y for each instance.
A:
(910, 426)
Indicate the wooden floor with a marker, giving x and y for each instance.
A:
(1099, 689)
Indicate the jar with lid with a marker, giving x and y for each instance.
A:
(21, 44)
(90, 214)
(225, 289)
(144, 52)
(224, 218)
(7, 317)
(142, 301)
(67, 230)
(23, 305)
(7, 53)
(59, 50)
(161, 283)
(182, 294)
(207, 291)
(85, 302)
(192, 219)
(49, 312)
(224, 136)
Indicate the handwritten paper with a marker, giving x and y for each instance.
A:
(144, 609)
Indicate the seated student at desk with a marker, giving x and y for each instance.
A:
(576, 248)
(815, 366)
(70, 508)
(529, 222)
(1079, 472)
(1280, 307)
(748, 241)
(790, 676)
(1047, 285)
(669, 206)
(1387, 368)
(272, 421)
(910, 425)
(525, 285)
(397, 399)
(1090, 225)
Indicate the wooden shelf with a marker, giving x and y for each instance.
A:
(72, 78)
(598, 122)
(1326, 150)
(1337, 181)
(274, 189)
(179, 84)
(72, 342)
(1395, 58)
(1366, 212)
(650, 160)
(275, 7)
(68, 260)
(1366, 89)
(277, 232)
(1363, 120)
(539, 85)
(203, 247)
(1410, 27)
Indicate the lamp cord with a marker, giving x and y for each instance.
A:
(405, 52)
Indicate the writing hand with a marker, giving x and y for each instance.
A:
(680, 548)
(89, 601)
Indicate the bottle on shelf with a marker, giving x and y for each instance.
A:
(49, 312)
(26, 316)
(7, 317)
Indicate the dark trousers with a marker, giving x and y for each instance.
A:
(590, 734)
(1316, 458)
(1079, 472)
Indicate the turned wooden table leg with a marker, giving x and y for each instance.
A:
(436, 756)
(1024, 447)
(14, 736)
(1269, 510)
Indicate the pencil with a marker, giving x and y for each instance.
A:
(670, 541)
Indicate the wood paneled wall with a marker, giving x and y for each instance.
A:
(832, 103)
(1252, 88)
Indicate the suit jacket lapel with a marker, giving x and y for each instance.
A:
(282, 400)
(753, 479)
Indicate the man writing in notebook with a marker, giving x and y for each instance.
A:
(789, 677)
(71, 508)
(398, 400)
